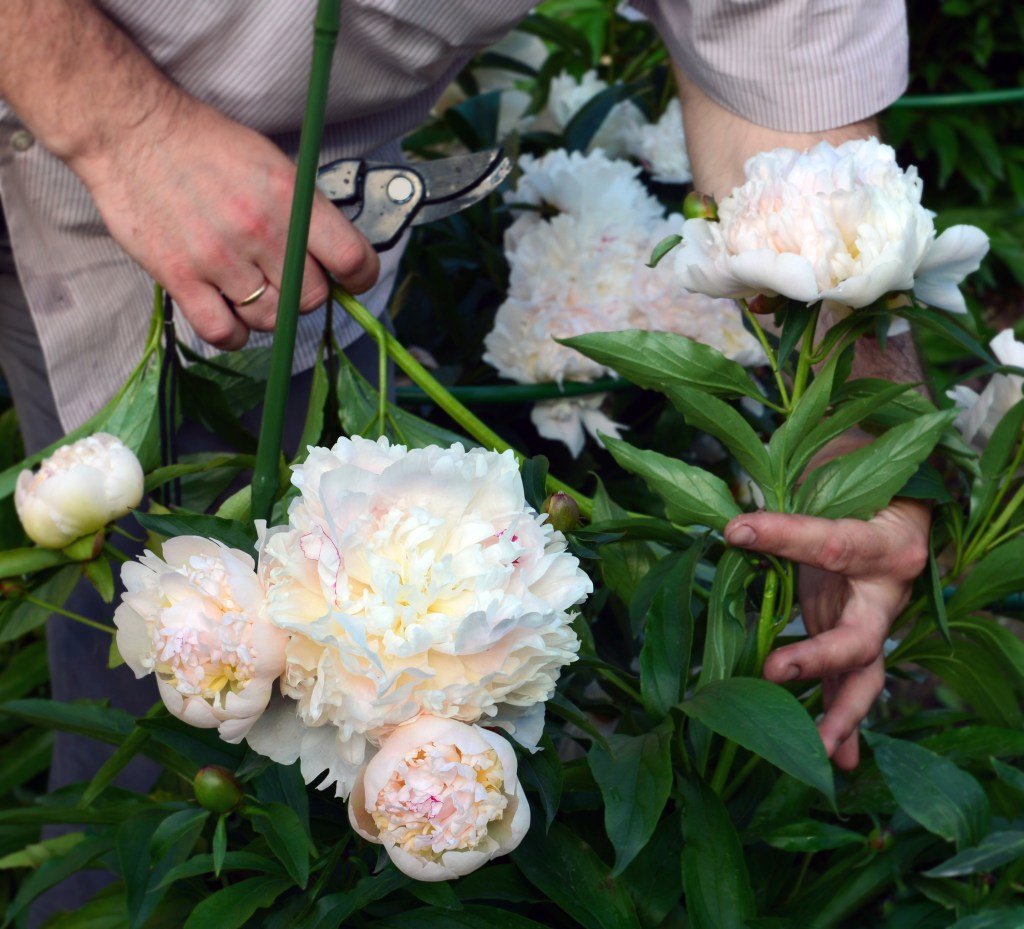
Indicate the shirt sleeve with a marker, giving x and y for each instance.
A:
(790, 65)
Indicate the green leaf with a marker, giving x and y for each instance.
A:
(997, 848)
(24, 617)
(691, 495)
(843, 417)
(231, 907)
(331, 911)
(726, 626)
(715, 878)
(769, 721)
(864, 481)
(287, 837)
(88, 719)
(52, 872)
(101, 577)
(623, 565)
(936, 594)
(233, 861)
(668, 637)
(657, 360)
(1000, 641)
(211, 527)
(314, 425)
(469, 917)
(810, 835)
(357, 408)
(24, 672)
(725, 423)
(635, 778)
(562, 706)
(994, 459)
(543, 772)
(23, 758)
(663, 248)
(977, 675)
(1012, 918)
(586, 121)
(219, 845)
(976, 743)
(115, 764)
(535, 475)
(654, 879)
(32, 856)
(932, 790)
(18, 561)
(999, 574)
(1008, 774)
(794, 325)
(566, 869)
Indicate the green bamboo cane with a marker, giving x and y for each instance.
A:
(268, 451)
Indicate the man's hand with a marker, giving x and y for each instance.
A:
(201, 202)
(856, 579)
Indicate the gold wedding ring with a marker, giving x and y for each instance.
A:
(254, 296)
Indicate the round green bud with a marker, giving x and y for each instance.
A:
(216, 789)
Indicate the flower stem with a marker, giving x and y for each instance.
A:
(772, 360)
(266, 478)
(423, 379)
(803, 366)
(725, 761)
(766, 619)
(77, 617)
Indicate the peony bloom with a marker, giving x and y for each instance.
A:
(411, 582)
(442, 798)
(661, 147)
(840, 224)
(587, 272)
(567, 96)
(980, 413)
(197, 621)
(78, 490)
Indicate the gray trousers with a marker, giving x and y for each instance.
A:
(77, 653)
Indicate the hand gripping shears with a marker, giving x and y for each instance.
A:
(393, 197)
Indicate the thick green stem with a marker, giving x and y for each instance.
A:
(265, 477)
(423, 379)
(803, 365)
(725, 761)
(766, 620)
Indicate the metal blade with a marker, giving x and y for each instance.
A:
(454, 183)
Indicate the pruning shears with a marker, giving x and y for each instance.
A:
(393, 197)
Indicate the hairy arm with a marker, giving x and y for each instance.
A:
(856, 576)
(200, 201)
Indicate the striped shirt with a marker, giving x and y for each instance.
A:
(797, 65)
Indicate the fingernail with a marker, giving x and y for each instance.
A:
(741, 535)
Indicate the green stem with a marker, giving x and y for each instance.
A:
(772, 360)
(382, 386)
(803, 366)
(617, 681)
(739, 779)
(439, 396)
(766, 619)
(265, 477)
(722, 768)
(992, 534)
(60, 611)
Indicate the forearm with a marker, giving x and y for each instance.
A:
(77, 81)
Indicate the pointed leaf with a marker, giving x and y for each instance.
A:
(469, 917)
(566, 869)
(994, 850)
(231, 907)
(227, 531)
(715, 878)
(691, 495)
(725, 423)
(999, 574)
(1012, 918)
(543, 771)
(932, 790)
(864, 481)
(287, 838)
(726, 627)
(657, 360)
(635, 779)
(668, 637)
(663, 248)
(769, 721)
(810, 835)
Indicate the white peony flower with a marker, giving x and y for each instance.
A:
(567, 418)
(593, 185)
(78, 490)
(661, 147)
(980, 413)
(567, 96)
(196, 619)
(442, 797)
(411, 582)
(842, 224)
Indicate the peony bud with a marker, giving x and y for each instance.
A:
(78, 490)
(563, 512)
(216, 789)
(765, 306)
(700, 206)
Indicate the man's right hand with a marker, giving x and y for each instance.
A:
(198, 200)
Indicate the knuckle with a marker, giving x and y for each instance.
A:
(837, 553)
(912, 559)
(314, 294)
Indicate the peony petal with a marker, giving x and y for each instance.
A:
(950, 258)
